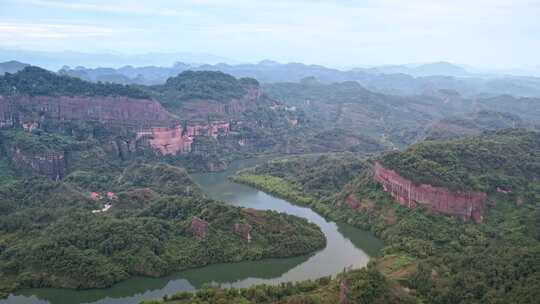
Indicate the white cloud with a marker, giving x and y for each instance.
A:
(369, 31)
(20, 31)
(125, 7)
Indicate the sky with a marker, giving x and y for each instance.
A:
(497, 34)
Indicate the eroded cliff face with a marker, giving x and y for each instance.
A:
(6, 114)
(464, 205)
(199, 228)
(51, 164)
(197, 109)
(243, 230)
(113, 110)
(178, 139)
(152, 123)
(125, 126)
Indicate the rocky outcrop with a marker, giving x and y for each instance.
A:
(152, 123)
(343, 290)
(213, 129)
(122, 148)
(112, 110)
(199, 109)
(6, 113)
(126, 126)
(464, 205)
(352, 201)
(199, 228)
(51, 164)
(166, 141)
(174, 140)
(243, 230)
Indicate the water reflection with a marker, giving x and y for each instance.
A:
(346, 246)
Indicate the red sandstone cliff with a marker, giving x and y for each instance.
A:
(6, 114)
(114, 110)
(199, 228)
(465, 205)
(154, 125)
(51, 164)
(243, 230)
(174, 140)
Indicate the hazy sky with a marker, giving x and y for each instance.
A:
(485, 33)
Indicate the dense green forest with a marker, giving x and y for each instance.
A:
(52, 235)
(207, 85)
(54, 232)
(398, 120)
(473, 124)
(438, 259)
(508, 159)
(303, 179)
(35, 81)
(387, 119)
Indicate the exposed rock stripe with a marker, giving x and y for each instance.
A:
(465, 205)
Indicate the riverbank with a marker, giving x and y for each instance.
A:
(158, 223)
(434, 257)
(285, 190)
(344, 248)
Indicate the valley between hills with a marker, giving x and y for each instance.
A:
(97, 185)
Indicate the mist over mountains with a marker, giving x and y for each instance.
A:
(56, 60)
(397, 79)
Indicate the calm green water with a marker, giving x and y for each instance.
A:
(346, 246)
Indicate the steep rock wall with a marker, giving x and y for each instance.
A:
(113, 110)
(6, 114)
(243, 230)
(200, 109)
(199, 228)
(174, 140)
(166, 141)
(51, 164)
(465, 205)
(154, 126)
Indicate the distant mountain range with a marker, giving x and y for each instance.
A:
(428, 69)
(56, 60)
(398, 79)
(11, 67)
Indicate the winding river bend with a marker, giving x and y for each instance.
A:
(346, 246)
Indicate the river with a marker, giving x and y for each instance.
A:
(346, 246)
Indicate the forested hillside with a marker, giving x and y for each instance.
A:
(87, 199)
(92, 189)
(398, 121)
(94, 229)
(37, 81)
(398, 79)
(436, 258)
(473, 124)
(507, 159)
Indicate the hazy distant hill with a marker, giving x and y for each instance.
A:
(473, 124)
(398, 80)
(56, 60)
(147, 75)
(382, 80)
(396, 120)
(11, 67)
(429, 69)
